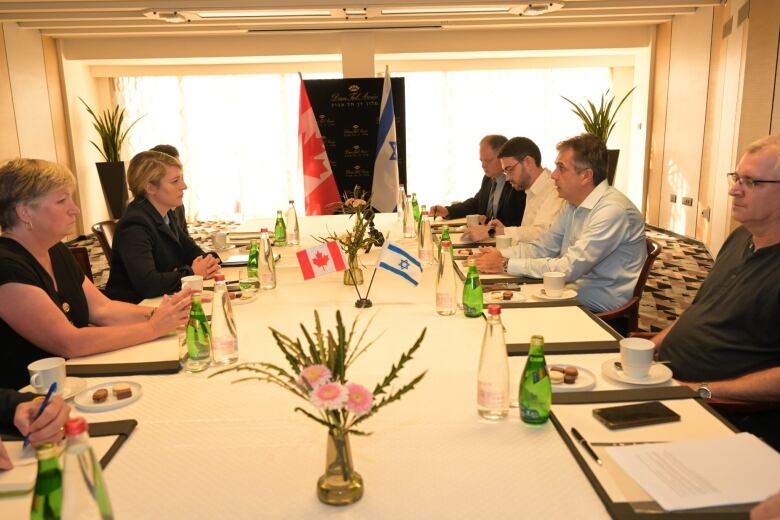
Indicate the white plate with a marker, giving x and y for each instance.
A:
(658, 374)
(567, 294)
(244, 301)
(83, 401)
(585, 380)
(73, 385)
(517, 296)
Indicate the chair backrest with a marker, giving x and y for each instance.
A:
(104, 231)
(81, 254)
(653, 250)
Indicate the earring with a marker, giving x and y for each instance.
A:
(29, 225)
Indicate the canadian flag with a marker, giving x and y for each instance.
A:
(322, 259)
(319, 185)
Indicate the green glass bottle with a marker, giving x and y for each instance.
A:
(47, 501)
(280, 231)
(416, 209)
(535, 388)
(445, 237)
(197, 354)
(251, 264)
(472, 292)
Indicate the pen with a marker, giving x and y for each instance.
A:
(44, 404)
(585, 445)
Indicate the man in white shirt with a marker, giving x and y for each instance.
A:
(521, 161)
(598, 239)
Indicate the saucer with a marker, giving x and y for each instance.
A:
(585, 380)
(84, 402)
(567, 294)
(658, 374)
(490, 297)
(73, 385)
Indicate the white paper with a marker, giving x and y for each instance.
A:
(736, 469)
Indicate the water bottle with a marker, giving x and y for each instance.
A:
(445, 283)
(84, 493)
(195, 349)
(535, 387)
(224, 336)
(493, 374)
(251, 264)
(409, 223)
(47, 497)
(266, 268)
(425, 240)
(400, 202)
(472, 292)
(280, 230)
(293, 232)
(415, 209)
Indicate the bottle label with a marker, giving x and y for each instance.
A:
(426, 255)
(490, 397)
(223, 346)
(267, 278)
(443, 300)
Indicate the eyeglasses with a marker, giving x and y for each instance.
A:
(747, 182)
(509, 169)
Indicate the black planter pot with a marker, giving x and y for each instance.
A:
(112, 180)
(612, 159)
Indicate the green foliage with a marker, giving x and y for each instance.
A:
(108, 125)
(598, 121)
(338, 351)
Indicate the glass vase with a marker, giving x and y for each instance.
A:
(354, 273)
(340, 485)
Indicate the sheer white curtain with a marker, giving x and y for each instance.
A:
(238, 134)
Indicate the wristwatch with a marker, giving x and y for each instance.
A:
(704, 391)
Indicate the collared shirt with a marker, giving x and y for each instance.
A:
(542, 205)
(600, 245)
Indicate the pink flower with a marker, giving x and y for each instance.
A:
(357, 202)
(359, 399)
(330, 396)
(314, 376)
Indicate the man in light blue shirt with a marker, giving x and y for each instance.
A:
(598, 240)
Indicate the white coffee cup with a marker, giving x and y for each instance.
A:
(554, 283)
(636, 356)
(194, 282)
(46, 371)
(472, 220)
(503, 241)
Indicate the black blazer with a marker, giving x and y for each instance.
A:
(148, 257)
(511, 205)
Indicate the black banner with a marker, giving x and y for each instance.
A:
(347, 112)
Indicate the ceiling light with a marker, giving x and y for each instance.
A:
(447, 10)
(276, 13)
(539, 9)
(166, 16)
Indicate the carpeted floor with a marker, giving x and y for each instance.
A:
(673, 281)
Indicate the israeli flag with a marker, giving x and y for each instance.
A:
(398, 261)
(384, 188)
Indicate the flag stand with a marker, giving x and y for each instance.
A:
(361, 303)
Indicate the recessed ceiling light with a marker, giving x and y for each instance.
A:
(447, 10)
(267, 13)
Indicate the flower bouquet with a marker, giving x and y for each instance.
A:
(362, 236)
(318, 375)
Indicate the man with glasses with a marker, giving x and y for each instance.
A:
(598, 239)
(726, 345)
(521, 162)
(495, 198)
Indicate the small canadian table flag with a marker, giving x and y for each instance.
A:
(322, 259)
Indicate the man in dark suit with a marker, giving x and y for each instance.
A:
(495, 199)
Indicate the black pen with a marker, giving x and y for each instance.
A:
(585, 445)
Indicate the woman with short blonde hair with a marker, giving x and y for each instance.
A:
(53, 302)
(151, 252)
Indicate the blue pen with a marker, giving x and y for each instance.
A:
(44, 404)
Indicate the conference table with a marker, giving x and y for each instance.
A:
(208, 447)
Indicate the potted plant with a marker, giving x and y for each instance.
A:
(600, 122)
(108, 125)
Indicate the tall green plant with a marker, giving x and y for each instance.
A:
(108, 125)
(598, 121)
